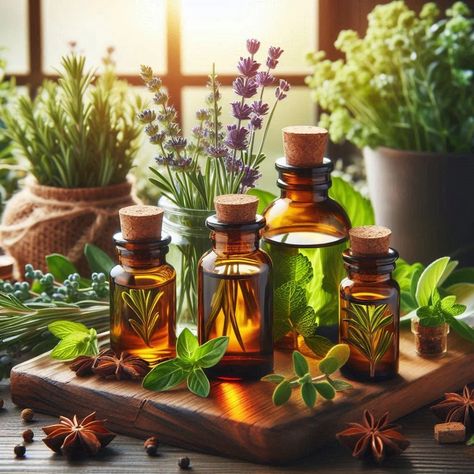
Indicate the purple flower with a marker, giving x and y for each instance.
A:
(147, 116)
(259, 107)
(271, 63)
(255, 123)
(244, 87)
(179, 164)
(274, 52)
(158, 138)
(218, 151)
(283, 87)
(248, 67)
(176, 143)
(163, 160)
(151, 129)
(233, 165)
(160, 98)
(264, 78)
(154, 85)
(202, 114)
(241, 111)
(236, 137)
(252, 46)
(250, 177)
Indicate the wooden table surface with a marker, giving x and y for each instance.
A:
(126, 455)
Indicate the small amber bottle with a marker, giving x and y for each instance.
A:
(235, 294)
(142, 288)
(306, 229)
(369, 309)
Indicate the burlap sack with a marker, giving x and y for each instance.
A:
(40, 220)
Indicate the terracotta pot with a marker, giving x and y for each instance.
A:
(427, 199)
(40, 220)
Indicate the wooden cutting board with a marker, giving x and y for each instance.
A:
(239, 419)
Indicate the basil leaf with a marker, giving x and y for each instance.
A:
(339, 385)
(210, 353)
(328, 365)
(61, 329)
(273, 378)
(187, 345)
(60, 266)
(300, 364)
(325, 389)
(198, 383)
(282, 393)
(71, 346)
(166, 375)
(98, 260)
(308, 393)
(429, 280)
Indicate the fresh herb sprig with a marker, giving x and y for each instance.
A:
(188, 365)
(311, 386)
(76, 339)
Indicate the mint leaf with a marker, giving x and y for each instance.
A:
(71, 346)
(187, 345)
(429, 280)
(308, 394)
(456, 309)
(282, 393)
(198, 383)
(210, 353)
(424, 312)
(339, 385)
(273, 378)
(305, 323)
(61, 329)
(60, 266)
(325, 389)
(166, 375)
(300, 364)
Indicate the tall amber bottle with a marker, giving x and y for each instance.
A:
(234, 288)
(142, 288)
(370, 306)
(305, 233)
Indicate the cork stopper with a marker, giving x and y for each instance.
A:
(370, 240)
(236, 208)
(304, 145)
(141, 222)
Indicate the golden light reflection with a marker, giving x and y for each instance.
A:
(235, 400)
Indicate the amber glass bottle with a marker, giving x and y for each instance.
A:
(305, 233)
(235, 294)
(370, 306)
(142, 288)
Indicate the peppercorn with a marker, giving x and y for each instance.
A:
(184, 463)
(151, 446)
(19, 450)
(28, 436)
(27, 414)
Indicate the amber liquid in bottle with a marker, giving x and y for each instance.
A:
(142, 300)
(305, 221)
(370, 316)
(235, 300)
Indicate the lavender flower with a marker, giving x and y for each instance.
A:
(146, 116)
(154, 85)
(173, 129)
(264, 78)
(218, 151)
(202, 114)
(271, 63)
(160, 98)
(164, 160)
(178, 164)
(176, 143)
(233, 165)
(255, 123)
(244, 87)
(248, 67)
(259, 108)
(146, 73)
(168, 115)
(241, 111)
(236, 137)
(274, 52)
(252, 46)
(158, 138)
(283, 87)
(249, 178)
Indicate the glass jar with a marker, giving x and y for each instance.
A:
(430, 341)
(189, 240)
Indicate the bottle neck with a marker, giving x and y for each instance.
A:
(304, 184)
(372, 268)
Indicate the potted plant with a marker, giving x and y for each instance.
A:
(403, 93)
(215, 160)
(79, 136)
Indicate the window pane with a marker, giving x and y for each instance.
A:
(216, 31)
(13, 35)
(296, 109)
(136, 28)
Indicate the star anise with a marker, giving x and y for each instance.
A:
(373, 438)
(126, 366)
(83, 365)
(73, 438)
(456, 407)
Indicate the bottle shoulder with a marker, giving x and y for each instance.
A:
(151, 276)
(259, 260)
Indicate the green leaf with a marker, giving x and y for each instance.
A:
(166, 375)
(300, 364)
(198, 383)
(407, 277)
(210, 353)
(339, 385)
(318, 344)
(60, 266)
(187, 345)
(325, 389)
(429, 280)
(424, 312)
(341, 352)
(447, 302)
(308, 394)
(61, 329)
(264, 198)
(273, 378)
(470, 441)
(71, 346)
(463, 329)
(456, 309)
(282, 393)
(98, 260)
(328, 365)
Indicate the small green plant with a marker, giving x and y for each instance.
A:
(79, 132)
(311, 386)
(75, 340)
(188, 365)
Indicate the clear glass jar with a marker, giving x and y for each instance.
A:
(189, 240)
(430, 341)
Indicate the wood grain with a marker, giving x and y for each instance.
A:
(238, 419)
